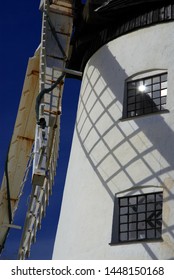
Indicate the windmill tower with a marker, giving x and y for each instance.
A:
(119, 194)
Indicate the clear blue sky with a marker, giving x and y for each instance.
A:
(20, 28)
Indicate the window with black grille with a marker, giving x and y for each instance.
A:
(138, 218)
(146, 95)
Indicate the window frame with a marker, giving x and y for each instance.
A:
(151, 108)
(149, 223)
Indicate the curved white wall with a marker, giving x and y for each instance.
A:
(110, 155)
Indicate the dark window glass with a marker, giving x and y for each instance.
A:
(146, 95)
(140, 217)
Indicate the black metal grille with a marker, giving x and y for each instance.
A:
(147, 95)
(140, 217)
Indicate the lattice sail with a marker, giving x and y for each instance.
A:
(56, 32)
(19, 150)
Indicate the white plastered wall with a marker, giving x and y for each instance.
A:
(110, 155)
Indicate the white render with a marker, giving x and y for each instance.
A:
(112, 156)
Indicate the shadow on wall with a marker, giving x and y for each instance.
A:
(104, 137)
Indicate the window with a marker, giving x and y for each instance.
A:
(146, 95)
(138, 218)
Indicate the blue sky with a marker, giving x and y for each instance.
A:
(20, 28)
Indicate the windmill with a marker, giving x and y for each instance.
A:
(119, 186)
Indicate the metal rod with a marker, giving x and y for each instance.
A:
(11, 226)
(69, 71)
